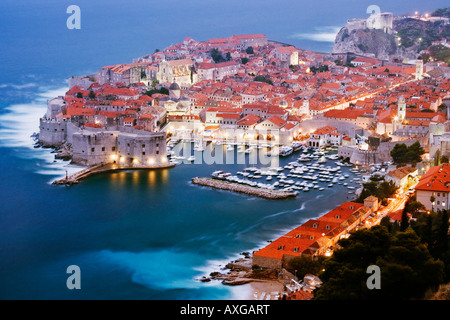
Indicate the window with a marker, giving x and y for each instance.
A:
(113, 149)
(92, 149)
(143, 153)
(143, 146)
(315, 226)
(103, 148)
(157, 151)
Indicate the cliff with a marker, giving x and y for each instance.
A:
(406, 37)
(367, 42)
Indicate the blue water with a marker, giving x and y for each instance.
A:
(135, 235)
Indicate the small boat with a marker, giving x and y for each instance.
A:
(191, 158)
(296, 145)
(285, 151)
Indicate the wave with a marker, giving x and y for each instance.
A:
(162, 269)
(19, 122)
(321, 34)
(18, 86)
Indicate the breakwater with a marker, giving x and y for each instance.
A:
(236, 187)
(102, 168)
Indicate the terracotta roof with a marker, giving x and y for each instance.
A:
(436, 179)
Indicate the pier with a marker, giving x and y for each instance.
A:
(249, 190)
(102, 168)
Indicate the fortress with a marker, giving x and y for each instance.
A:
(378, 21)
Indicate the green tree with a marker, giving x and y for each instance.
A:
(304, 264)
(79, 95)
(249, 50)
(261, 78)
(398, 152)
(407, 268)
(244, 60)
(404, 223)
(91, 94)
(402, 154)
(216, 55)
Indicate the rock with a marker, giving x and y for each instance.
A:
(236, 282)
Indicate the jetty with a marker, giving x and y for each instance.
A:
(102, 168)
(249, 190)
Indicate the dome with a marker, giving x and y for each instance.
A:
(174, 86)
(283, 103)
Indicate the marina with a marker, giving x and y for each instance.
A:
(303, 170)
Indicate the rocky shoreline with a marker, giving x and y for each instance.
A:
(242, 271)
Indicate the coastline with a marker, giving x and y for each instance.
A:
(256, 284)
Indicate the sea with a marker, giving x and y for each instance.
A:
(135, 235)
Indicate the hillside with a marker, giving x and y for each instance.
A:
(409, 37)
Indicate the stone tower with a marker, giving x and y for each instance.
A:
(305, 107)
(401, 112)
(419, 69)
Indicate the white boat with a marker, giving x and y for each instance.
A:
(191, 158)
(285, 151)
(296, 145)
(249, 150)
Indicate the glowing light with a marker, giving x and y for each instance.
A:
(151, 161)
(122, 159)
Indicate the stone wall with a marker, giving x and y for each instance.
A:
(52, 133)
(92, 148)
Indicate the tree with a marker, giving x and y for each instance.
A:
(79, 95)
(304, 264)
(244, 60)
(407, 268)
(444, 159)
(404, 223)
(398, 152)
(228, 56)
(91, 94)
(249, 50)
(261, 78)
(402, 154)
(216, 55)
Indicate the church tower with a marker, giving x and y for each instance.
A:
(401, 112)
(419, 69)
(305, 107)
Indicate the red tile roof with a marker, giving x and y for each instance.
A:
(436, 179)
